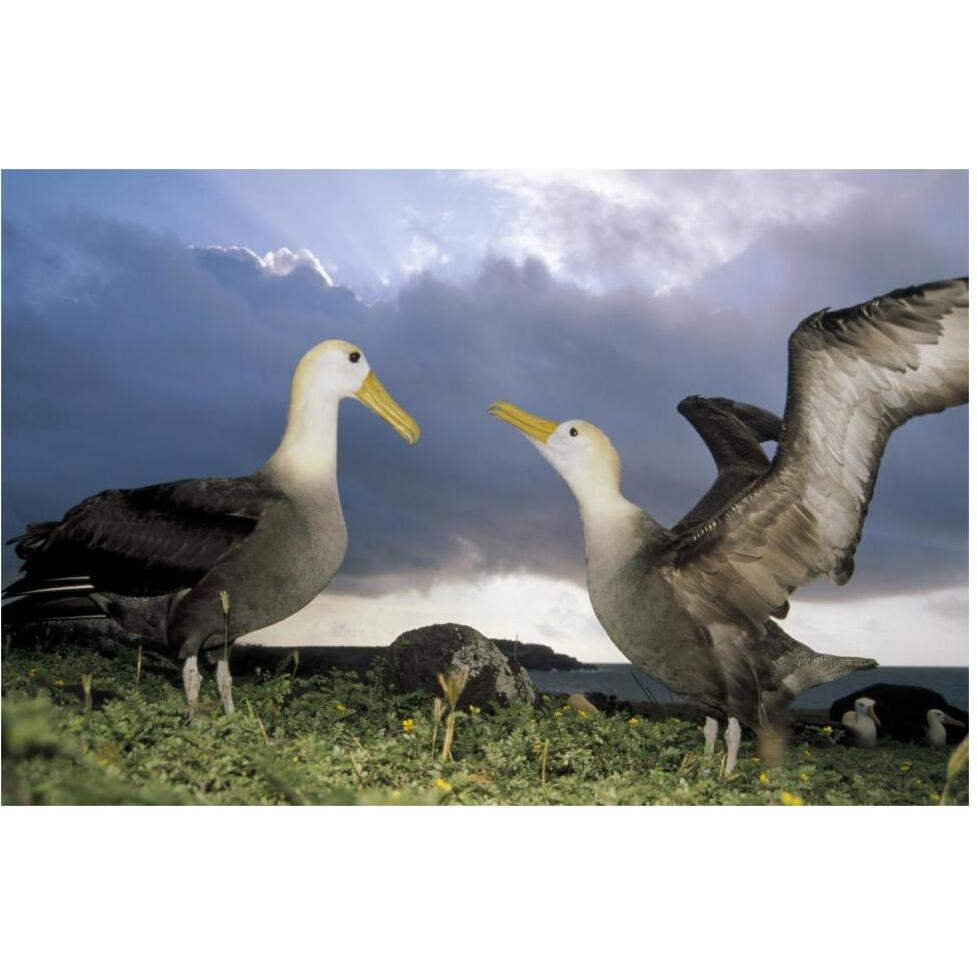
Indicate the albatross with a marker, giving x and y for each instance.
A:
(734, 432)
(863, 723)
(936, 720)
(195, 564)
(691, 607)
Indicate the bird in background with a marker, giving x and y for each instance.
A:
(195, 564)
(862, 723)
(936, 723)
(691, 607)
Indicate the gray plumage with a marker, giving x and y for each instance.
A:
(691, 607)
(733, 432)
(182, 561)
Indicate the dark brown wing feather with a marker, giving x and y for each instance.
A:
(144, 541)
(854, 376)
(732, 432)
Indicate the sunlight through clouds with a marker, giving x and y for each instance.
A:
(659, 229)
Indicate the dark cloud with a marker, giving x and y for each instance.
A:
(130, 358)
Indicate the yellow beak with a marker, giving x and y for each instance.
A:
(372, 394)
(536, 427)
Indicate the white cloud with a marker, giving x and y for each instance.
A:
(279, 263)
(902, 630)
(659, 229)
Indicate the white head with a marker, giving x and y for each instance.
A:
(579, 451)
(939, 717)
(866, 707)
(334, 370)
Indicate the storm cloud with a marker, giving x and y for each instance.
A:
(131, 357)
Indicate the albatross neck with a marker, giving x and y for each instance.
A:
(614, 531)
(306, 457)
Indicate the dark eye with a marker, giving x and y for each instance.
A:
(354, 357)
(573, 432)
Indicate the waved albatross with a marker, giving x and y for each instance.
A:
(863, 724)
(164, 560)
(690, 608)
(733, 432)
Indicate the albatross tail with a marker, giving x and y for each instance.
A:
(799, 667)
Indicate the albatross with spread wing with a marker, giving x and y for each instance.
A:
(164, 561)
(734, 432)
(691, 607)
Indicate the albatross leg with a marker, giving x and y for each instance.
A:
(224, 684)
(191, 682)
(732, 737)
(710, 731)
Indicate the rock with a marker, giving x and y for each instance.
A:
(416, 658)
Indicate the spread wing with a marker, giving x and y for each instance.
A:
(854, 376)
(141, 541)
(732, 431)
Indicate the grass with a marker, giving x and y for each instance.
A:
(80, 727)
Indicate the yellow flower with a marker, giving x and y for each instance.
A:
(763, 778)
(582, 714)
(340, 707)
(59, 682)
(633, 721)
(31, 672)
(675, 719)
(805, 777)
(474, 710)
(755, 759)
(442, 784)
(904, 767)
(825, 729)
(408, 725)
(791, 800)
(935, 798)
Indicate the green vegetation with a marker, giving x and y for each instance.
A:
(78, 729)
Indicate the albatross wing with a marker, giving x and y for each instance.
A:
(143, 541)
(854, 376)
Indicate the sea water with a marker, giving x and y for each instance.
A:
(631, 684)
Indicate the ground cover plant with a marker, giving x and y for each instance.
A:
(84, 727)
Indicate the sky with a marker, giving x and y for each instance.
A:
(151, 321)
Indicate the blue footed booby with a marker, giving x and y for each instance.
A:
(691, 607)
(195, 564)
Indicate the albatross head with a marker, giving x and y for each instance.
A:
(866, 707)
(336, 369)
(579, 451)
(938, 716)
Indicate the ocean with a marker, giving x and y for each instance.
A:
(630, 683)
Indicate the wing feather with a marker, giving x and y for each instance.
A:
(854, 376)
(146, 540)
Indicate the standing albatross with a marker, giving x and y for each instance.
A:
(165, 560)
(691, 607)
(734, 432)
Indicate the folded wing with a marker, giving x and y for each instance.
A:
(140, 541)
